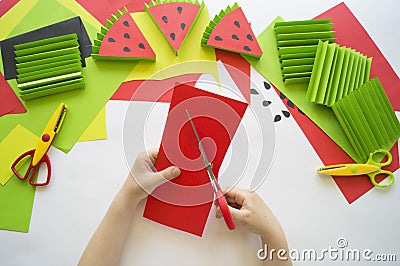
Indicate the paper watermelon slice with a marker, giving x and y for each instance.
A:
(174, 18)
(230, 30)
(122, 39)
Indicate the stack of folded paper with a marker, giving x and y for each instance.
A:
(48, 66)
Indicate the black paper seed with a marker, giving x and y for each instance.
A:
(237, 24)
(290, 104)
(249, 37)
(179, 9)
(183, 26)
(266, 85)
(234, 36)
(127, 36)
(300, 111)
(126, 23)
(253, 91)
(126, 49)
(266, 103)
(172, 35)
(246, 48)
(282, 95)
(111, 39)
(285, 113)
(277, 118)
(217, 38)
(141, 45)
(165, 19)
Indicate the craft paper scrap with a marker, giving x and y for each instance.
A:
(297, 46)
(368, 119)
(152, 90)
(80, 11)
(6, 5)
(174, 18)
(97, 130)
(18, 141)
(185, 202)
(68, 26)
(230, 30)
(16, 196)
(337, 71)
(350, 33)
(10, 19)
(9, 101)
(102, 9)
(121, 39)
(16, 202)
(239, 70)
(191, 51)
(101, 81)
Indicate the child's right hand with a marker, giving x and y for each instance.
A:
(249, 211)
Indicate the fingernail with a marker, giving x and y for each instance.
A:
(176, 171)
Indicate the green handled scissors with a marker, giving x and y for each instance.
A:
(372, 168)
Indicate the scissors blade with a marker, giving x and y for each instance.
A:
(348, 169)
(49, 133)
(203, 153)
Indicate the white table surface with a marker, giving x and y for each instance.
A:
(311, 209)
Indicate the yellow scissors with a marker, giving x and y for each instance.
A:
(371, 168)
(39, 155)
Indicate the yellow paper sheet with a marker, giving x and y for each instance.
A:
(18, 141)
(97, 129)
(9, 20)
(75, 7)
(166, 57)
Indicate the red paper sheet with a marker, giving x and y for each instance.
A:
(6, 5)
(102, 9)
(9, 102)
(350, 32)
(238, 68)
(152, 90)
(185, 202)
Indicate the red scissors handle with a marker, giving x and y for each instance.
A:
(31, 171)
(223, 205)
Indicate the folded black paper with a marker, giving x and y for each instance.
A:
(72, 25)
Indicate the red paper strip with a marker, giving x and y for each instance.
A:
(102, 9)
(238, 68)
(9, 101)
(6, 5)
(152, 90)
(185, 202)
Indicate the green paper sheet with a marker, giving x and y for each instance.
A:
(97, 130)
(328, 70)
(368, 119)
(269, 66)
(16, 196)
(298, 39)
(166, 57)
(101, 81)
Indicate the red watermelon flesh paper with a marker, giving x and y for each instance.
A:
(174, 20)
(124, 39)
(233, 33)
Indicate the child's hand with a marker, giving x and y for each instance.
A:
(143, 178)
(249, 211)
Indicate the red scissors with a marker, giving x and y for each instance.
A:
(38, 156)
(223, 205)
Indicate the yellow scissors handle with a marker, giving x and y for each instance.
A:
(389, 174)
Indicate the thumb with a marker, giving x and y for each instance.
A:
(170, 172)
(236, 214)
